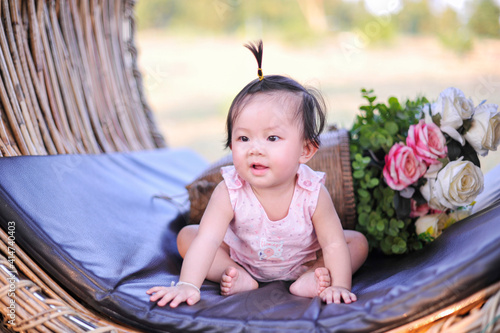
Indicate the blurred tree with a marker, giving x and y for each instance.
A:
(344, 16)
(416, 18)
(305, 20)
(280, 17)
(448, 21)
(154, 13)
(452, 33)
(283, 18)
(314, 12)
(484, 20)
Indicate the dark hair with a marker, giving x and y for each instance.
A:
(311, 111)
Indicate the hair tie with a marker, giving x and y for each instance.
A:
(258, 51)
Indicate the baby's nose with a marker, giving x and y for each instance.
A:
(256, 149)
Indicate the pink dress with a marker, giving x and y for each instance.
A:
(273, 250)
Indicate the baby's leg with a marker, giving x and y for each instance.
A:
(358, 248)
(232, 277)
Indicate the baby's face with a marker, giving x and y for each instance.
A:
(267, 142)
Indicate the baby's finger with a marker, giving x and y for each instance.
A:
(166, 299)
(158, 294)
(153, 290)
(177, 300)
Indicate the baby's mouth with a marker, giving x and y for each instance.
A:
(258, 167)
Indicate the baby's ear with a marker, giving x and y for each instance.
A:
(308, 151)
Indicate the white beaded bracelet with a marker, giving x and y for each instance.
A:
(180, 283)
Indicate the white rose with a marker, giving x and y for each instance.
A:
(428, 192)
(484, 133)
(428, 224)
(453, 107)
(458, 184)
(458, 104)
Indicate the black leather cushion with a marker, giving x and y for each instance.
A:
(91, 221)
(491, 192)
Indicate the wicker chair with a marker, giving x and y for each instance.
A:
(70, 84)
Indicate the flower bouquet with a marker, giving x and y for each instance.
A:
(415, 166)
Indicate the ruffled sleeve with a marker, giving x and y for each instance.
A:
(231, 178)
(309, 179)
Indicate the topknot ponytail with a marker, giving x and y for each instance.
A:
(258, 51)
(311, 110)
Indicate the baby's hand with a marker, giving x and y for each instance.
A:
(175, 295)
(336, 295)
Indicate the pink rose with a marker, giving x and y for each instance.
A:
(427, 141)
(418, 210)
(402, 168)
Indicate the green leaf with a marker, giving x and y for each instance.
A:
(396, 249)
(363, 219)
(391, 127)
(436, 119)
(358, 174)
(363, 209)
(363, 193)
(402, 246)
(389, 142)
(392, 232)
(390, 212)
(394, 103)
(364, 142)
(373, 182)
(380, 225)
(386, 246)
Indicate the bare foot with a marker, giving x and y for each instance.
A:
(311, 283)
(236, 280)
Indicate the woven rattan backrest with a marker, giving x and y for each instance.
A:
(69, 79)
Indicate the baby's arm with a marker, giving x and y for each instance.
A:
(335, 251)
(201, 252)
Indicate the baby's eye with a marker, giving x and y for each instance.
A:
(273, 138)
(243, 139)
